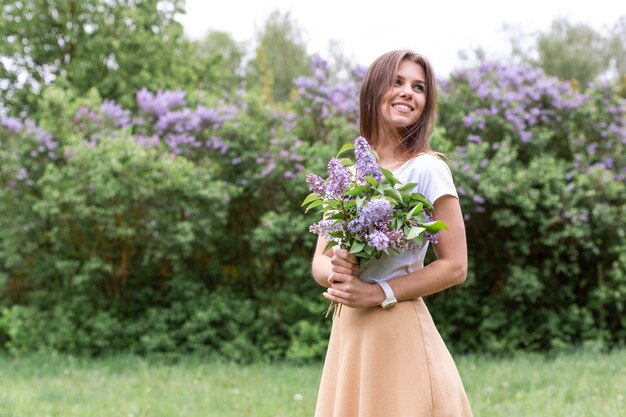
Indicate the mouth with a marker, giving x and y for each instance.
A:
(403, 107)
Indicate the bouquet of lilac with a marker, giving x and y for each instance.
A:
(367, 211)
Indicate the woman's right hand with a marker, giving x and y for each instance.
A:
(343, 263)
(346, 287)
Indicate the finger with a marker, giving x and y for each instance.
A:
(338, 269)
(342, 262)
(347, 256)
(334, 294)
(352, 259)
(335, 278)
(346, 269)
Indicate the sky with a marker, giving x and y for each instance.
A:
(365, 29)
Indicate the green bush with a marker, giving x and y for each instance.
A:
(174, 229)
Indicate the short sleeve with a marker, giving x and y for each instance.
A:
(433, 177)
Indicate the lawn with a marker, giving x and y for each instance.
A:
(581, 384)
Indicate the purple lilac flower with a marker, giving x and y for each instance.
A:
(269, 167)
(11, 123)
(22, 174)
(468, 120)
(338, 179)
(217, 143)
(378, 240)
(316, 184)
(208, 116)
(147, 141)
(85, 113)
(376, 214)
(174, 121)
(365, 162)
(114, 112)
(479, 199)
(325, 227)
(160, 103)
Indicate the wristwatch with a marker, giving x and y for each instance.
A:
(390, 298)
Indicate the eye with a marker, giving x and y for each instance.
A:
(419, 88)
(397, 82)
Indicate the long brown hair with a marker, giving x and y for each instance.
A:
(378, 79)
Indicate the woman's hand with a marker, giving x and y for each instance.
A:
(346, 287)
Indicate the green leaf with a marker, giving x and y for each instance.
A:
(345, 148)
(357, 190)
(330, 244)
(434, 227)
(372, 181)
(314, 204)
(420, 197)
(389, 177)
(415, 232)
(359, 202)
(408, 186)
(309, 198)
(346, 162)
(417, 209)
(357, 246)
(394, 193)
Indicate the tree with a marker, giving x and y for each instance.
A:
(227, 55)
(280, 56)
(617, 47)
(116, 46)
(573, 52)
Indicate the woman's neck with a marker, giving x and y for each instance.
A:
(387, 157)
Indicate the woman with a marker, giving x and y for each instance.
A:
(385, 356)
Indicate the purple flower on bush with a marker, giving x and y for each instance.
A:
(365, 162)
(479, 199)
(11, 123)
(338, 179)
(160, 103)
(112, 111)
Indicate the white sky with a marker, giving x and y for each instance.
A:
(366, 29)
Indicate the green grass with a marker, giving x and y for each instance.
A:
(569, 385)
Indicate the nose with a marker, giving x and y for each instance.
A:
(406, 91)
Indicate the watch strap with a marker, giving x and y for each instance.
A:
(390, 298)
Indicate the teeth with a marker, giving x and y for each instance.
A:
(402, 106)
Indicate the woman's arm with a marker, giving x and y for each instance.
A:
(321, 266)
(448, 270)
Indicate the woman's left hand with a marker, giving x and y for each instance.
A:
(345, 286)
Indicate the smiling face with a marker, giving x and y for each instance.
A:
(404, 102)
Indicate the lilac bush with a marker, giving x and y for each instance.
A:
(324, 106)
(541, 184)
(25, 149)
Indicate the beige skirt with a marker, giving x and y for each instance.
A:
(389, 363)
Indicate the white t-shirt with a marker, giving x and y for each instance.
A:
(434, 180)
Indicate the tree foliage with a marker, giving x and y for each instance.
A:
(117, 47)
(280, 56)
(573, 52)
